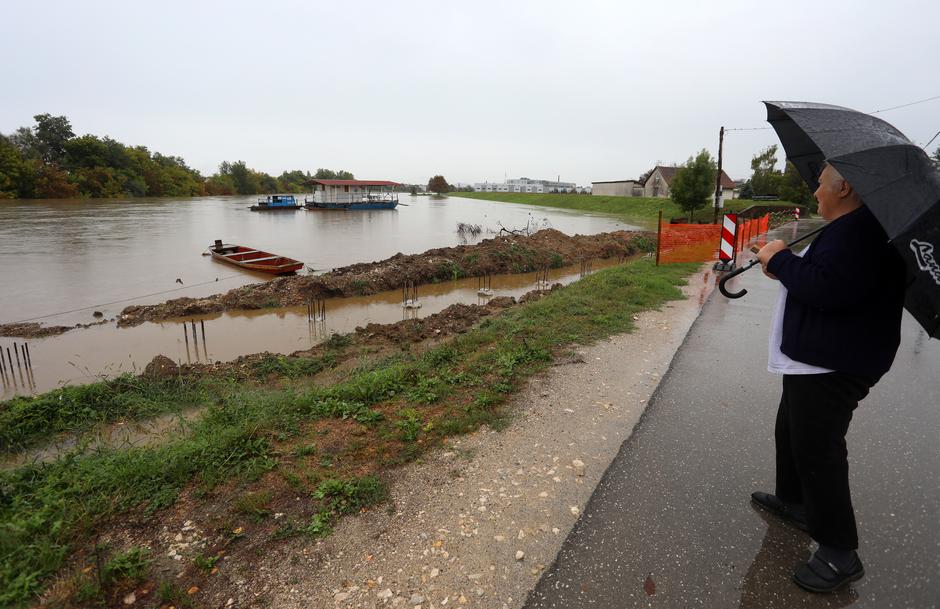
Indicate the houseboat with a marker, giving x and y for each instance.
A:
(276, 203)
(351, 194)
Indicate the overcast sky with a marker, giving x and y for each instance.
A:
(472, 90)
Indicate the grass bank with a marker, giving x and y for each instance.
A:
(259, 448)
(625, 207)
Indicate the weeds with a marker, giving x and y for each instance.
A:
(293, 367)
(409, 424)
(318, 526)
(254, 505)
(347, 496)
(206, 563)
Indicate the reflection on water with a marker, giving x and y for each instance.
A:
(82, 356)
(69, 256)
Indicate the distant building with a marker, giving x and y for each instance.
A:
(526, 185)
(618, 188)
(656, 184)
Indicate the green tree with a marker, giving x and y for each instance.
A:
(747, 191)
(245, 180)
(293, 181)
(439, 185)
(694, 183)
(52, 132)
(765, 178)
(329, 174)
(85, 151)
(24, 140)
(220, 185)
(936, 155)
(268, 183)
(14, 170)
(50, 182)
(794, 189)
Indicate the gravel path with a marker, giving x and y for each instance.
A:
(476, 523)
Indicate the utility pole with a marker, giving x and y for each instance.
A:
(721, 143)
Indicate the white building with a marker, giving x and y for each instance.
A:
(526, 185)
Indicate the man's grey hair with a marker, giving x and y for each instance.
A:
(834, 177)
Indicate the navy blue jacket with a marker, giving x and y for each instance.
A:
(845, 298)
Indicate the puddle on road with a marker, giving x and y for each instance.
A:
(84, 356)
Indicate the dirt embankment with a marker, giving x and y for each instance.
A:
(547, 248)
(37, 330)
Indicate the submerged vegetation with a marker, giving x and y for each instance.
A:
(282, 431)
(48, 161)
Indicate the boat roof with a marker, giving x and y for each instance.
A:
(351, 182)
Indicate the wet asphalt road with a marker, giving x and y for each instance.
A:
(671, 525)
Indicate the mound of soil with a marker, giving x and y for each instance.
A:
(547, 248)
(161, 367)
(455, 319)
(36, 330)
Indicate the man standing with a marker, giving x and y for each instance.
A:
(836, 331)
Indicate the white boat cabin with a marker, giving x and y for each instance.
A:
(351, 191)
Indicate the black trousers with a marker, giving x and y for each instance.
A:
(812, 465)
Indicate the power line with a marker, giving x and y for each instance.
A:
(914, 103)
(931, 140)
(104, 304)
(921, 101)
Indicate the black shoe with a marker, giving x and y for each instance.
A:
(792, 513)
(820, 575)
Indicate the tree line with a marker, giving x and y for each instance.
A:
(48, 161)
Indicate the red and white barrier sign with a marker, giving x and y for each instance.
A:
(728, 230)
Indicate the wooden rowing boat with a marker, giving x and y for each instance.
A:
(255, 260)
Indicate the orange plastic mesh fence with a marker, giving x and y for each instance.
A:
(688, 242)
(753, 232)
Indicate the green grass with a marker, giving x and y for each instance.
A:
(27, 420)
(627, 208)
(49, 510)
(293, 367)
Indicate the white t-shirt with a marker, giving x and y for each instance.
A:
(778, 362)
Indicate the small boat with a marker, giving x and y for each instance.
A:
(253, 259)
(276, 203)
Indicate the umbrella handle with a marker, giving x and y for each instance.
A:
(753, 263)
(735, 273)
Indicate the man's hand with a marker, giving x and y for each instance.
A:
(767, 252)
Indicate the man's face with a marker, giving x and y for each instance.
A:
(826, 195)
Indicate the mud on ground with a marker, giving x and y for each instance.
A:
(547, 248)
(36, 330)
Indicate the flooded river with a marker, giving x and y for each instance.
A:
(62, 260)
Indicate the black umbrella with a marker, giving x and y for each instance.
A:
(895, 178)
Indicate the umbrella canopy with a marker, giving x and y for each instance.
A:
(895, 178)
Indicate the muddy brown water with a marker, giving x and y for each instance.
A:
(84, 356)
(73, 254)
